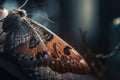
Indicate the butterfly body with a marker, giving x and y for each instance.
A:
(32, 46)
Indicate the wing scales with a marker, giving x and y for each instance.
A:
(63, 57)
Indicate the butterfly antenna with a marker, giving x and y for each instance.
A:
(47, 19)
(23, 4)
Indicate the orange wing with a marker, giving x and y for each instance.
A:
(62, 57)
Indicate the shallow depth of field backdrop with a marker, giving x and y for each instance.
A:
(94, 16)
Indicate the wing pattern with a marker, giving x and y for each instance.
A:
(23, 46)
(63, 57)
(34, 47)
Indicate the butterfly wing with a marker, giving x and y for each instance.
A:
(33, 46)
(24, 47)
(62, 57)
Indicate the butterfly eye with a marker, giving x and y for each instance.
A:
(22, 13)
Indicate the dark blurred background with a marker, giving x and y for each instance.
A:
(94, 16)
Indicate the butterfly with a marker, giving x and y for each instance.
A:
(32, 46)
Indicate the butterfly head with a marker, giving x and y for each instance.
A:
(13, 18)
(20, 13)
